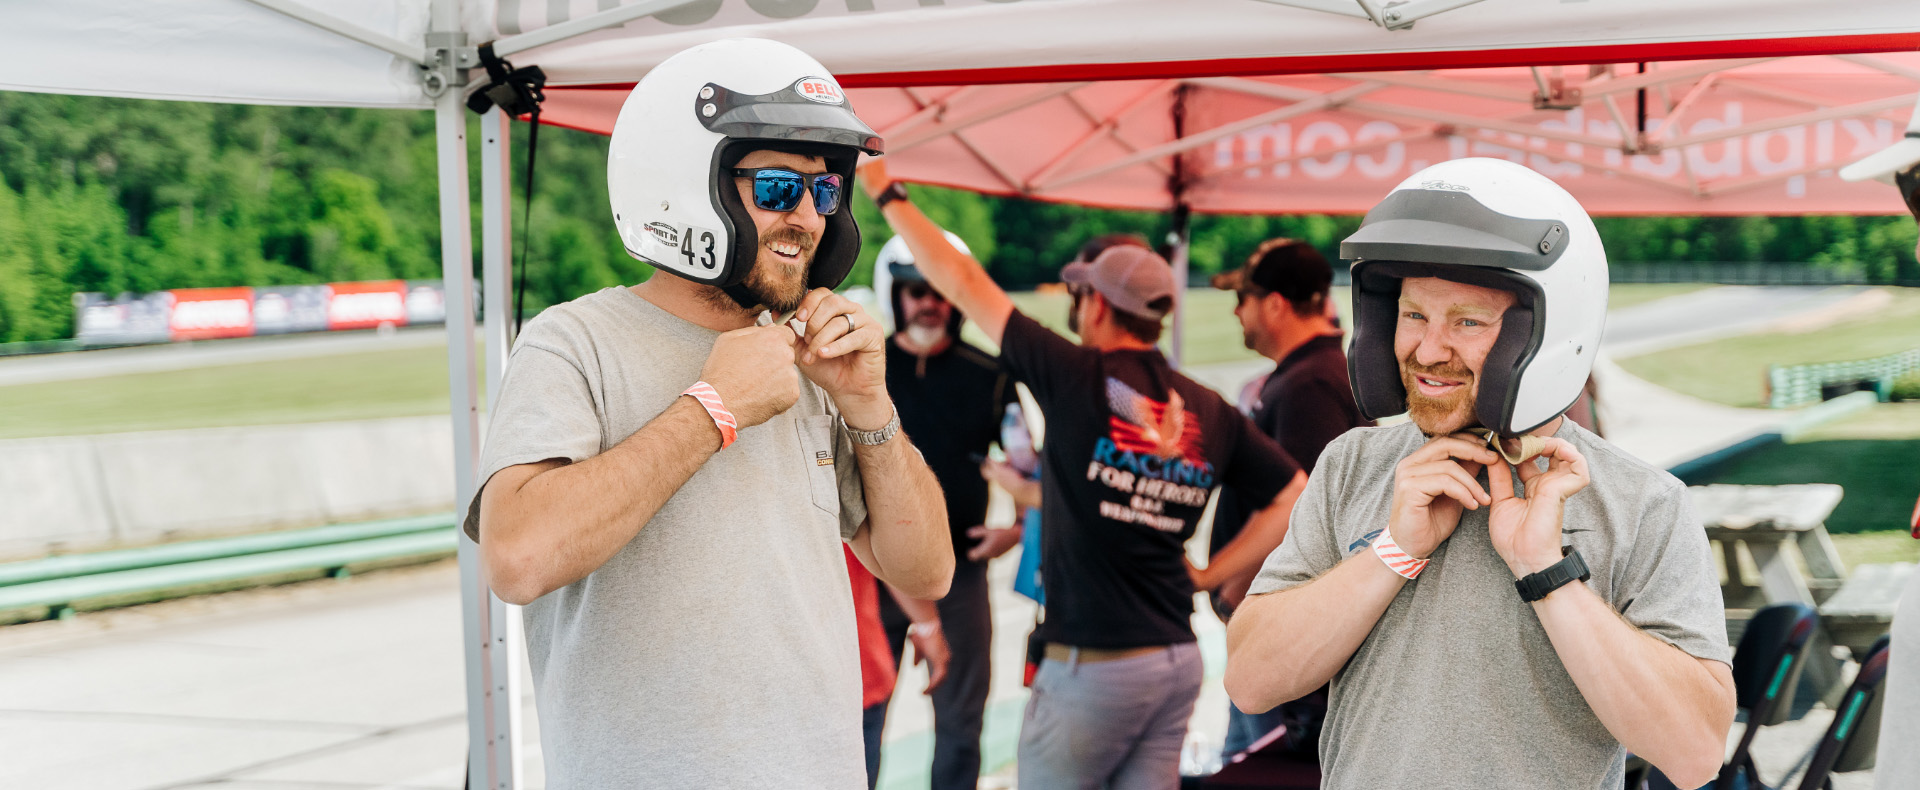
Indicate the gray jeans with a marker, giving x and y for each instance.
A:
(1111, 724)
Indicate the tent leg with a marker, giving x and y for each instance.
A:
(496, 287)
(1178, 239)
(487, 735)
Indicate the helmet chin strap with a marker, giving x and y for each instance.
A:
(1530, 445)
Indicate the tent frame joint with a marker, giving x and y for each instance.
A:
(448, 58)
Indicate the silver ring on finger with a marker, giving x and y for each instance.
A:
(850, 324)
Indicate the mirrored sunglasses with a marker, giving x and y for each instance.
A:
(780, 189)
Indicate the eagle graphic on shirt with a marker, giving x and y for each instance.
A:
(1143, 425)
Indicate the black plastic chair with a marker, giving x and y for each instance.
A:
(1851, 741)
(1766, 670)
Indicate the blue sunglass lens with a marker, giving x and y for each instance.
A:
(777, 191)
(826, 193)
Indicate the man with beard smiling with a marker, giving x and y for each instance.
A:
(1491, 614)
(668, 481)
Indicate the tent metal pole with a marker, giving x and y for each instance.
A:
(1177, 184)
(490, 739)
(476, 602)
(505, 656)
(1182, 222)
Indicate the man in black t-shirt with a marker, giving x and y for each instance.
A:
(1133, 451)
(1303, 404)
(951, 397)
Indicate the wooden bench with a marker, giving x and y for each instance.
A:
(1862, 609)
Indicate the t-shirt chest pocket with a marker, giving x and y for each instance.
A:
(817, 452)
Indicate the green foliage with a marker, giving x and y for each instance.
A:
(1907, 388)
(126, 195)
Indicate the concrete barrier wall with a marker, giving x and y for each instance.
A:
(86, 492)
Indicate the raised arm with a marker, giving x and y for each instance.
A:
(546, 525)
(955, 274)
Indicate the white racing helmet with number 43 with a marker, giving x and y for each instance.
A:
(1495, 224)
(685, 125)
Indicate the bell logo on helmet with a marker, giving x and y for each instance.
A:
(1443, 185)
(819, 89)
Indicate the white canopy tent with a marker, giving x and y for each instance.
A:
(417, 54)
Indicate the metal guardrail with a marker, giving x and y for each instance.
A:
(1792, 385)
(70, 565)
(186, 566)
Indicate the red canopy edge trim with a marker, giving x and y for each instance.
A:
(1397, 61)
(1400, 61)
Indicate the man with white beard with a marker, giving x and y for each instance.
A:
(951, 397)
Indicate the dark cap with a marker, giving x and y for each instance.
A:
(1289, 267)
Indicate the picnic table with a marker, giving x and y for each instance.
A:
(1767, 520)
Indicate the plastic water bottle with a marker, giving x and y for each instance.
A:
(1017, 442)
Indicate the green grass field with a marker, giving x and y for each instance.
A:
(1733, 370)
(395, 383)
(1871, 454)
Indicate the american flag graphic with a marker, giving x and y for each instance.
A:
(1143, 425)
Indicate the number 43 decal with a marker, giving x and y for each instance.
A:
(697, 245)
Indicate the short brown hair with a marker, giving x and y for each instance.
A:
(1146, 330)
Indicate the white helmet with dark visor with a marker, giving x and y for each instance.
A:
(1495, 224)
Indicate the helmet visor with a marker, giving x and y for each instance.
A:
(785, 114)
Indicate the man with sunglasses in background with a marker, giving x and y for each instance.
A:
(1133, 452)
(1283, 296)
(951, 397)
(671, 471)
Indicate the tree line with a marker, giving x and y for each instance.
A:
(116, 195)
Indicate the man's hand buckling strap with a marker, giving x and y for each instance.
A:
(722, 419)
(1397, 560)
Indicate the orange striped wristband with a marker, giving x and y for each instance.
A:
(722, 419)
(1399, 561)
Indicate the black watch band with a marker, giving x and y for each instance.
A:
(1535, 586)
(894, 191)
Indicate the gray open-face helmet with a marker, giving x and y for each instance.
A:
(675, 203)
(1496, 224)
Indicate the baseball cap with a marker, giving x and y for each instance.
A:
(1132, 279)
(1289, 267)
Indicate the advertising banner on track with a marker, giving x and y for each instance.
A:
(122, 320)
(290, 308)
(367, 305)
(207, 313)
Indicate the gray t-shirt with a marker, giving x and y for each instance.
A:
(1458, 685)
(717, 649)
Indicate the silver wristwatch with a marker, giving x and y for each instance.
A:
(872, 438)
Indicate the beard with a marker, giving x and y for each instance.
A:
(781, 285)
(926, 337)
(1439, 416)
